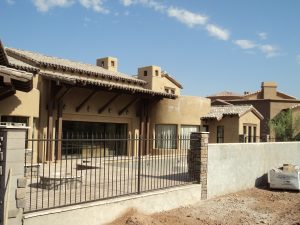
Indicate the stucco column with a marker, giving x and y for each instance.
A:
(13, 183)
(197, 160)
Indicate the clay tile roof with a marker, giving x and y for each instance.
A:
(84, 80)
(15, 63)
(218, 112)
(43, 60)
(225, 93)
(172, 80)
(3, 56)
(16, 74)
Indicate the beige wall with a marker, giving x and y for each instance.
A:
(155, 80)
(233, 127)
(249, 119)
(185, 110)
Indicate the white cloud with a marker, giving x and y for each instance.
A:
(157, 6)
(298, 58)
(218, 32)
(96, 5)
(269, 50)
(127, 2)
(186, 17)
(263, 35)
(245, 44)
(45, 5)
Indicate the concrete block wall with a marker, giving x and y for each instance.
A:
(236, 167)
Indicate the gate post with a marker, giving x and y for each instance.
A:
(12, 181)
(197, 160)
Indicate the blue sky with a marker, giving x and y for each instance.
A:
(208, 45)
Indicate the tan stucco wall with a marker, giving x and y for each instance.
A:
(21, 104)
(249, 119)
(183, 110)
(156, 82)
(233, 127)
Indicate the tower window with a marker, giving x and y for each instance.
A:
(102, 63)
(156, 72)
(112, 63)
(145, 73)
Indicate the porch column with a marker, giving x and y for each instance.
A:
(58, 143)
(50, 132)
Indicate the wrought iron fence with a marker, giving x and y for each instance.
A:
(94, 168)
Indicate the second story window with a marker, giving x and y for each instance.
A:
(145, 73)
(220, 134)
(112, 63)
(156, 72)
(102, 63)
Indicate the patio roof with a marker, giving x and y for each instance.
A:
(218, 112)
(41, 60)
(80, 74)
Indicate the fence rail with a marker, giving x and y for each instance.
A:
(101, 168)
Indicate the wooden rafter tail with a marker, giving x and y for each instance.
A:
(108, 103)
(85, 100)
(128, 105)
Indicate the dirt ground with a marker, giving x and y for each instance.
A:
(254, 206)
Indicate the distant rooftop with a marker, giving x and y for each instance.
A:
(218, 112)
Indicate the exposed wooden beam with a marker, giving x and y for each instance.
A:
(62, 93)
(7, 80)
(85, 100)
(128, 105)
(6, 92)
(108, 103)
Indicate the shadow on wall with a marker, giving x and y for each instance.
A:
(9, 104)
(261, 181)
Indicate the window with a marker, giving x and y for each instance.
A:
(205, 128)
(156, 72)
(15, 119)
(167, 90)
(249, 134)
(145, 73)
(220, 134)
(172, 91)
(112, 63)
(185, 135)
(186, 130)
(102, 64)
(165, 136)
(87, 130)
(254, 134)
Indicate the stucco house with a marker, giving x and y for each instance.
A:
(232, 124)
(268, 101)
(74, 98)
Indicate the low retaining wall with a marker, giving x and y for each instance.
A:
(103, 212)
(235, 167)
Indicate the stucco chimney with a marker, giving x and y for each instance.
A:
(152, 75)
(109, 63)
(269, 90)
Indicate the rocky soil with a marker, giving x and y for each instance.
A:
(254, 206)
